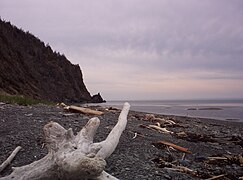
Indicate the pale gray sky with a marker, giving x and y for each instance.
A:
(140, 49)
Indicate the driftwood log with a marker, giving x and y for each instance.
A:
(83, 110)
(73, 157)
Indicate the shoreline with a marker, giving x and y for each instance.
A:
(224, 110)
(195, 117)
(135, 157)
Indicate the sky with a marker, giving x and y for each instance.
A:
(140, 49)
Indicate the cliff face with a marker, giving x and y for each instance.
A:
(31, 68)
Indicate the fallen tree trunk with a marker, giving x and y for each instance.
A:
(73, 157)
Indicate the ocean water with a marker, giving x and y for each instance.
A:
(229, 110)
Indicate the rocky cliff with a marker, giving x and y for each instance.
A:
(97, 99)
(31, 68)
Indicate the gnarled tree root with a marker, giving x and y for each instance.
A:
(73, 157)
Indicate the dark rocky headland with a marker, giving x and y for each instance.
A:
(29, 67)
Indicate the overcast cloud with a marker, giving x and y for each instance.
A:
(139, 49)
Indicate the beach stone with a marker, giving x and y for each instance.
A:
(200, 158)
(184, 162)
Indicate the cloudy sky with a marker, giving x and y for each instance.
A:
(140, 49)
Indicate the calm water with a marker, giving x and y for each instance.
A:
(230, 110)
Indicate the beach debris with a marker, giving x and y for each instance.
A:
(156, 128)
(217, 158)
(182, 169)
(83, 110)
(74, 157)
(151, 117)
(170, 162)
(177, 147)
(221, 162)
(160, 129)
(135, 135)
(194, 137)
(216, 177)
(10, 158)
(77, 109)
(225, 159)
(174, 167)
(215, 170)
(181, 134)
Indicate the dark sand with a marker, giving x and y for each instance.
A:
(134, 158)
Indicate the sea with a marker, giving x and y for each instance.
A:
(227, 110)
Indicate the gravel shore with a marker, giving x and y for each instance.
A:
(137, 155)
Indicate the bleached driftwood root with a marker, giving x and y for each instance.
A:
(73, 157)
(10, 158)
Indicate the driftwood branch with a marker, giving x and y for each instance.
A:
(182, 149)
(73, 157)
(9, 159)
(157, 128)
(216, 177)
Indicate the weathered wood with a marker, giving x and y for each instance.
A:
(160, 129)
(73, 157)
(151, 117)
(216, 177)
(83, 110)
(182, 149)
(10, 158)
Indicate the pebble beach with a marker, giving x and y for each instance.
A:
(214, 147)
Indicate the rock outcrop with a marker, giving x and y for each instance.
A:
(97, 98)
(31, 68)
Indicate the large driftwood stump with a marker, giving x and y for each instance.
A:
(73, 157)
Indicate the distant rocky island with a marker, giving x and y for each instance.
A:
(29, 67)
